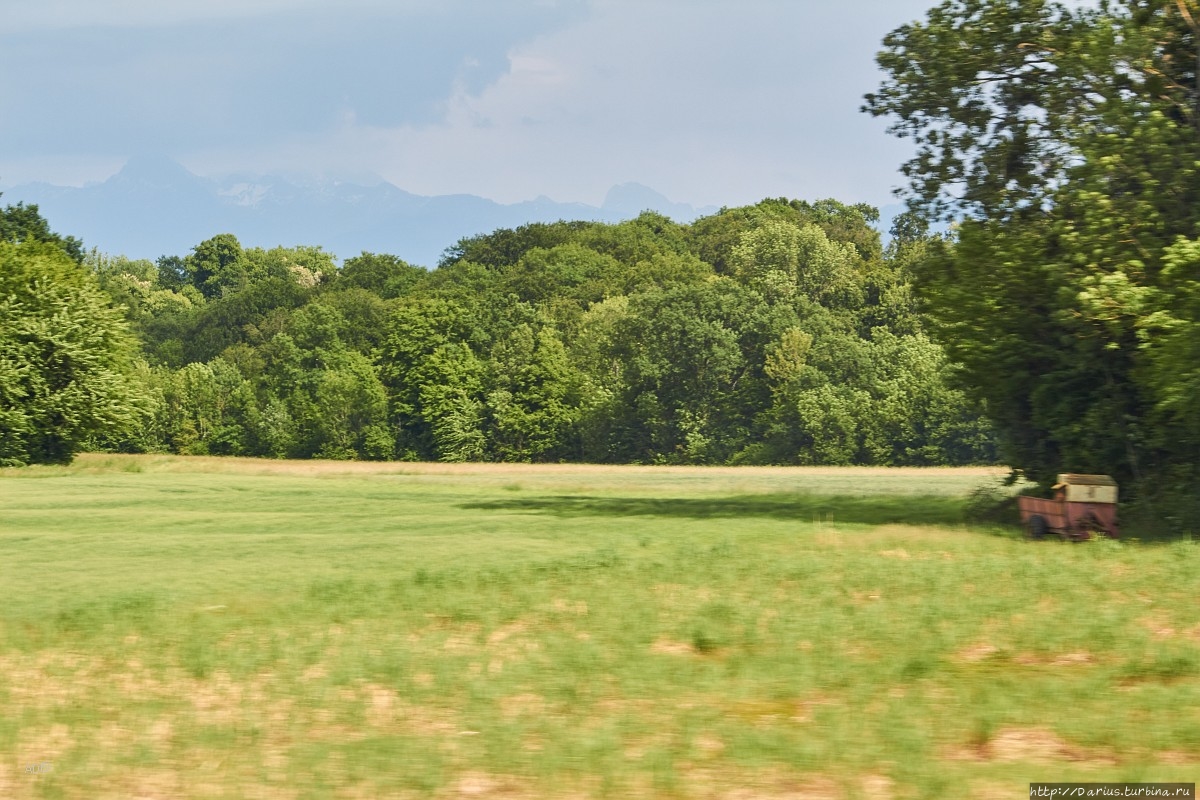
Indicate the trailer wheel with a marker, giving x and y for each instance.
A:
(1038, 528)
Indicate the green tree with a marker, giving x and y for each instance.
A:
(533, 397)
(574, 340)
(784, 260)
(172, 272)
(713, 238)
(1067, 140)
(209, 409)
(347, 416)
(504, 247)
(690, 373)
(65, 358)
(241, 315)
(136, 286)
(215, 263)
(434, 381)
(363, 316)
(450, 391)
(23, 223)
(384, 275)
(568, 270)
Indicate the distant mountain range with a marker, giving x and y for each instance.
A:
(154, 206)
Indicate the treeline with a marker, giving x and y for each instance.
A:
(780, 333)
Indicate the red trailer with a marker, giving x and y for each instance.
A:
(1082, 505)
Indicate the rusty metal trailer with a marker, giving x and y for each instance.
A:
(1082, 505)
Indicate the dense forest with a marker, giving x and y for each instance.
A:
(780, 333)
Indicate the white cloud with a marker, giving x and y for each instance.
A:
(710, 103)
(707, 101)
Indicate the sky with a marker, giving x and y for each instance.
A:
(709, 102)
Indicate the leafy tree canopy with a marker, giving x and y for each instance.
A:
(65, 358)
(23, 223)
(776, 333)
(1066, 140)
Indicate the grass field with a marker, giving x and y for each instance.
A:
(225, 628)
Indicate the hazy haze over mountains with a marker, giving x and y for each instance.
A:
(154, 206)
(448, 101)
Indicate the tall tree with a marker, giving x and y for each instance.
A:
(65, 358)
(1067, 142)
(531, 401)
(215, 263)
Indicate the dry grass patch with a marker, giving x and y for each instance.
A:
(573, 477)
(526, 704)
(1160, 626)
(669, 647)
(991, 790)
(1177, 758)
(773, 785)
(977, 652)
(766, 712)
(1029, 745)
(899, 553)
(900, 541)
(1078, 658)
(878, 787)
(220, 700)
(47, 744)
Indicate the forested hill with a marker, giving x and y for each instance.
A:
(780, 333)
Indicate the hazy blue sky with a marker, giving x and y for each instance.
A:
(717, 102)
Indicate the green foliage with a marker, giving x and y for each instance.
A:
(532, 400)
(505, 247)
(1070, 139)
(23, 223)
(1173, 369)
(433, 381)
(347, 415)
(784, 260)
(206, 406)
(65, 358)
(450, 404)
(138, 286)
(567, 270)
(983, 87)
(381, 274)
(236, 317)
(713, 238)
(643, 341)
(689, 371)
(893, 406)
(362, 317)
(214, 264)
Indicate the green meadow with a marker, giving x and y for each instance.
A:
(229, 628)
